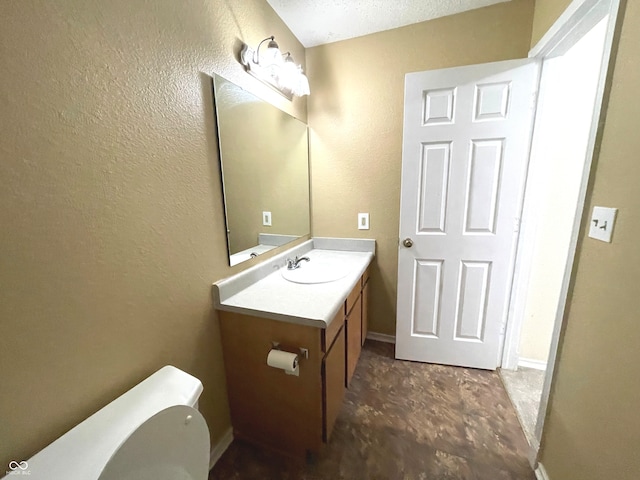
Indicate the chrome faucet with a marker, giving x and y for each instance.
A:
(292, 264)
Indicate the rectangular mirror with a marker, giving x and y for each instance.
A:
(264, 157)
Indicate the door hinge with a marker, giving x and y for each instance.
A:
(516, 224)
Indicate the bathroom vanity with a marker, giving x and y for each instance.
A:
(325, 324)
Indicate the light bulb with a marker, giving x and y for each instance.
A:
(302, 84)
(272, 55)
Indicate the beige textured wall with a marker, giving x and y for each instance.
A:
(547, 12)
(265, 160)
(593, 428)
(110, 206)
(355, 119)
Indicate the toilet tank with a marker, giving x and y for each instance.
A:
(83, 451)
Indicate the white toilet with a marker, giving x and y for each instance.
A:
(152, 432)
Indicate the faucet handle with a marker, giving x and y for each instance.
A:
(295, 263)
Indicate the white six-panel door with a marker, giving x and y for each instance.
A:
(467, 133)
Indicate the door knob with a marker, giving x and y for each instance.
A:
(407, 242)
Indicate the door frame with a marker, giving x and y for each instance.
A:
(578, 19)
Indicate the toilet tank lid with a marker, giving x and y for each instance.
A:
(83, 451)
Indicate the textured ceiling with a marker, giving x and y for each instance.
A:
(315, 22)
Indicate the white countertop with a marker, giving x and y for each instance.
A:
(308, 304)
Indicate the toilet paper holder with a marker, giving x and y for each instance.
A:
(303, 352)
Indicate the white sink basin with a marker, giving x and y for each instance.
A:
(310, 272)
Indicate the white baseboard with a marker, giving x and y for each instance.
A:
(530, 363)
(219, 448)
(381, 337)
(541, 473)
(532, 456)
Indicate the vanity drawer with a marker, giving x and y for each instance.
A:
(352, 298)
(329, 333)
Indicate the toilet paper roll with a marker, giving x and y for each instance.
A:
(284, 360)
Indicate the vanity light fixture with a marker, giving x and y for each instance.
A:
(275, 69)
(271, 56)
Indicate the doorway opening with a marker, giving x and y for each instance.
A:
(575, 56)
(566, 102)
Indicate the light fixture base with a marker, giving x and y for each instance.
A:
(264, 74)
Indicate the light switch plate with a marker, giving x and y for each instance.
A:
(363, 221)
(266, 219)
(602, 222)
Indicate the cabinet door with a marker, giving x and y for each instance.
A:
(365, 312)
(354, 338)
(268, 407)
(333, 384)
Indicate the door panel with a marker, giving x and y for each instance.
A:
(438, 106)
(465, 149)
(428, 279)
(472, 301)
(434, 180)
(483, 179)
(491, 101)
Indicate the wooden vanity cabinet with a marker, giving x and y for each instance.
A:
(365, 306)
(290, 414)
(333, 373)
(354, 331)
(268, 407)
(293, 415)
(357, 323)
(333, 384)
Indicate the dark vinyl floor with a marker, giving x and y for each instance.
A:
(405, 420)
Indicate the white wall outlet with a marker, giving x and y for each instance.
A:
(266, 219)
(363, 221)
(602, 222)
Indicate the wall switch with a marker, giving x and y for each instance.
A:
(266, 219)
(363, 221)
(601, 224)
